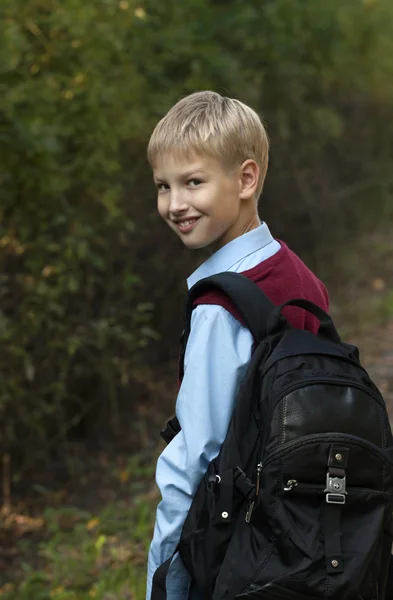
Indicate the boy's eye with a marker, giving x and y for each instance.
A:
(194, 182)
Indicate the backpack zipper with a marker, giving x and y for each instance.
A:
(318, 437)
(290, 484)
(293, 485)
(290, 388)
(269, 364)
(308, 382)
(306, 440)
(346, 382)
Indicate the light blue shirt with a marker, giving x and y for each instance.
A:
(216, 359)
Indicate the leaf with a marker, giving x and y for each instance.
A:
(92, 524)
(100, 542)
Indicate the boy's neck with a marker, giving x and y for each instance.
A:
(247, 226)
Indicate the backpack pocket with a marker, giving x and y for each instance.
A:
(304, 543)
(272, 591)
(211, 522)
(298, 518)
(297, 560)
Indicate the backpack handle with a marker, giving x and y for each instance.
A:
(326, 328)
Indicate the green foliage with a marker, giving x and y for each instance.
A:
(82, 85)
(324, 87)
(80, 554)
(88, 556)
(71, 313)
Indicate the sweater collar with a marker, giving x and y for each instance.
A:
(229, 255)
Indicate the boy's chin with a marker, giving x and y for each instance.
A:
(194, 244)
(193, 241)
(197, 242)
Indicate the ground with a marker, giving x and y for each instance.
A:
(91, 541)
(377, 356)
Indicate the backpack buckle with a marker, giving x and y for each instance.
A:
(335, 489)
(171, 430)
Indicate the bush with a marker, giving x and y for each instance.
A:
(80, 248)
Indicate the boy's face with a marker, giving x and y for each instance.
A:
(200, 200)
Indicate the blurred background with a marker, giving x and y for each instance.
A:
(92, 283)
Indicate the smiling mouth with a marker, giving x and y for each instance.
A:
(187, 225)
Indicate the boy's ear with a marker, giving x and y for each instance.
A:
(249, 177)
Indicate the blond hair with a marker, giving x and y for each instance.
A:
(213, 125)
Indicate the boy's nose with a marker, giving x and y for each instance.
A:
(177, 203)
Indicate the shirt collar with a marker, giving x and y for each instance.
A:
(233, 252)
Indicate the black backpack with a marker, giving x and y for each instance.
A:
(298, 503)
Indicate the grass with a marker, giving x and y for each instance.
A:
(82, 555)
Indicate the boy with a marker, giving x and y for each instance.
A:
(209, 157)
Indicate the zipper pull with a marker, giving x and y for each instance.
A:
(259, 471)
(249, 512)
(252, 503)
(290, 485)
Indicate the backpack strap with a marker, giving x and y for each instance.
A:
(389, 584)
(248, 299)
(159, 591)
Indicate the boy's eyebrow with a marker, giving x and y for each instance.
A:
(195, 171)
(158, 177)
(186, 175)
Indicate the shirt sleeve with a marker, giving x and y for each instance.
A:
(217, 354)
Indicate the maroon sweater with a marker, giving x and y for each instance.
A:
(282, 277)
